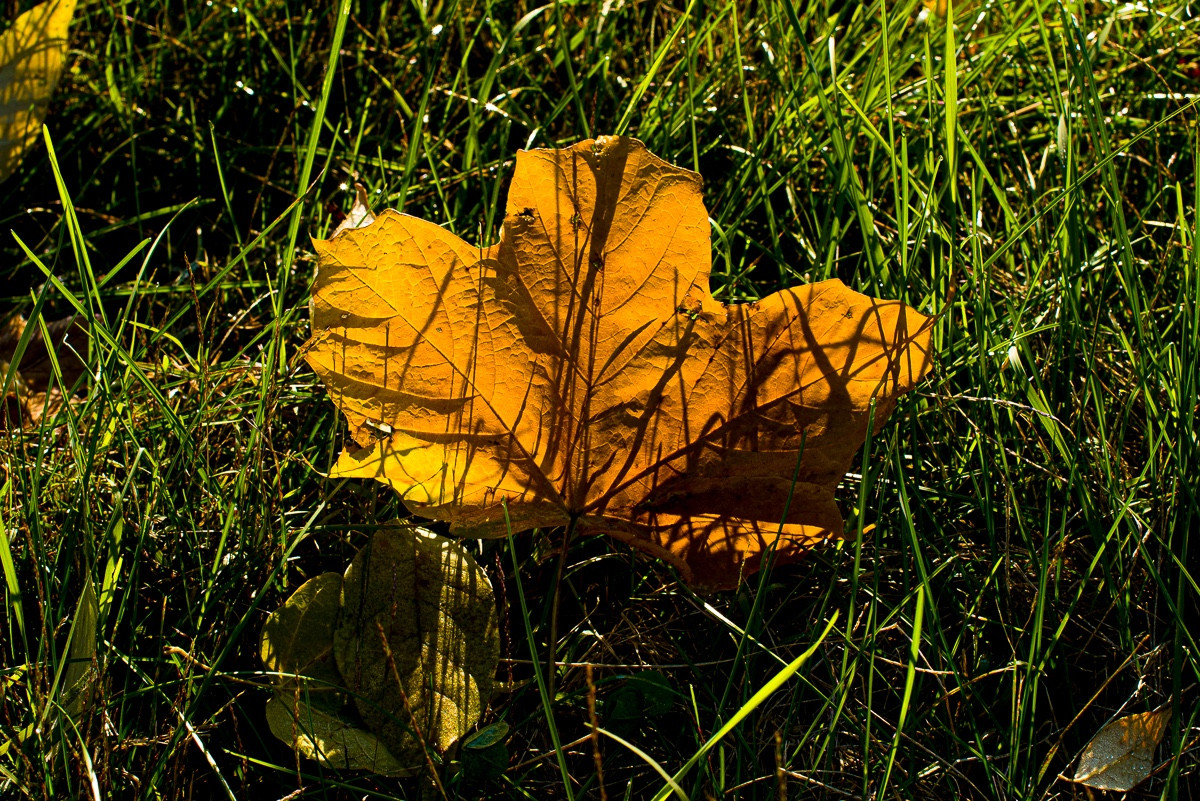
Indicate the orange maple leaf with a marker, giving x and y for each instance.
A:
(579, 371)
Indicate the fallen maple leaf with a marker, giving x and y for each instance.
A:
(580, 370)
(32, 52)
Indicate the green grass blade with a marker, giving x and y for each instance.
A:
(543, 689)
(755, 701)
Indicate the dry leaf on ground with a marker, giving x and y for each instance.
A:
(581, 369)
(33, 392)
(1121, 755)
(410, 631)
(359, 216)
(329, 739)
(32, 52)
(434, 607)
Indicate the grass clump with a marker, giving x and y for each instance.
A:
(1019, 569)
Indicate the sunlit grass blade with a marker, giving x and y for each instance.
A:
(753, 703)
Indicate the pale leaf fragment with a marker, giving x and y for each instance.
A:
(360, 215)
(1121, 756)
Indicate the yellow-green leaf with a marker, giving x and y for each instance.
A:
(332, 741)
(418, 643)
(32, 52)
(297, 638)
(410, 631)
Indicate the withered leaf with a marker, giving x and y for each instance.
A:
(32, 52)
(409, 632)
(581, 370)
(360, 215)
(330, 740)
(34, 392)
(418, 641)
(1121, 755)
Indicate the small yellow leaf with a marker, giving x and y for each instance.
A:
(32, 52)
(1121, 756)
